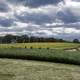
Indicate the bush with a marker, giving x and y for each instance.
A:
(39, 47)
(31, 47)
(76, 41)
(47, 48)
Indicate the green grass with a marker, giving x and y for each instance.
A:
(33, 70)
(41, 51)
(53, 55)
(40, 45)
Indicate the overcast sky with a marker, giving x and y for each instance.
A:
(48, 18)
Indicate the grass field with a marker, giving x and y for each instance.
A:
(40, 45)
(15, 68)
(33, 70)
(41, 51)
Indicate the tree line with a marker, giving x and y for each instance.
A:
(28, 39)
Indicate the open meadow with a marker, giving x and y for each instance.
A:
(53, 52)
(54, 45)
(40, 61)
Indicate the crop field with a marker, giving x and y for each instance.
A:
(40, 45)
(34, 70)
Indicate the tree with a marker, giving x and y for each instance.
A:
(76, 41)
(7, 38)
(24, 38)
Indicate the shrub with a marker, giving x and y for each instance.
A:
(76, 41)
(39, 47)
(47, 48)
(31, 47)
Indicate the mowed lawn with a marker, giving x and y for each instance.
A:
(32, 70)
(40, 45)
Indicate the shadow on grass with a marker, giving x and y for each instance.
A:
(41, 58)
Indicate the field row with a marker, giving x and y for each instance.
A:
(51, 55)
(40, 45)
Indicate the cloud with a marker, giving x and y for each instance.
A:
(35, 18)
(41, 18)
(6, 22)
(4, 7)
(34, 3)
(76, 0)
(67, 16)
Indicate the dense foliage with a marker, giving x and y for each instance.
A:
(26, 38)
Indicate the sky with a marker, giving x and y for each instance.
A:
(44, 18)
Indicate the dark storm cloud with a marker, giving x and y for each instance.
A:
(4, 7)
(75, 25)
(6, 22)
(76, 0)
(37, 18)
(41, 17)
(34, 3)
(67, 16)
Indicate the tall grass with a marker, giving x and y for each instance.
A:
(42, 55)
